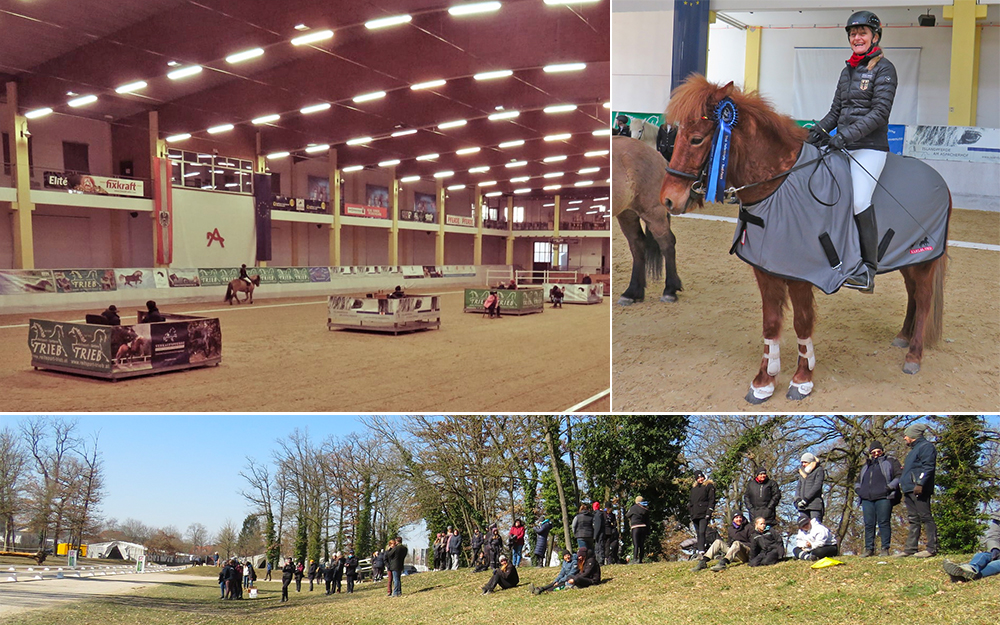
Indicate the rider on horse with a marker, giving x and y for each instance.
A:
(860, 113)
(243, 274)
(622, 126)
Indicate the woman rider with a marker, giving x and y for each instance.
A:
(860, 113)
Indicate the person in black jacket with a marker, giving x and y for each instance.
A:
(917, 483)
(638, 521)
(300, 569)
(762, 496)
(351, 570)
(590, 570)
(395, 559)
(701, 507)
(328, 573)
(477, 542)
(860, 112)
(766, 544)
(809, 493)
(738, 547)
(111, 315)
(153, 313)
(611, 536)
(877, 487)
(541, 541)
(583, 527)
(505, 576)
(338, 572)
(287, 572)
(494, 548)
(622, 126)
(312, 567)
(600, 527)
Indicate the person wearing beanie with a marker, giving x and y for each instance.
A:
(814, 541)
(738, 548)
(983, 564)
(505, 577)
(600, 522)
(878, 489)
(566, 571)
(638, 521)
(809, 493)
(762, 496)
(701, 508)
(590, 570)
(917, 484)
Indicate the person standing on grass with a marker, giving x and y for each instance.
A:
(809, 493)
(455, 549)
(396, 558)
(516, 535)
(339, 563)
(299, 573)
(267, 575)
(328, 573)
(378, 565)
(312, 574)
(505, 576)
(541, 541)
(917, 484)
(287, 572)
(600, 527)
(701, 507)
(351, 570)
(762, 496)
(611, 536)
(494, 548)
(477, 544)
(583, 527)
(814, 541)
(638, 520)
(878, 487)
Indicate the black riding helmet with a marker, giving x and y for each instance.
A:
(622, 119)
(865, 18)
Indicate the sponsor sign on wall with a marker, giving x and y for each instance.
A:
(135, 278)
(26, 281)
(456, 220)
(79, 280)
(968, 144)
(376, 195)
(319, 274)
(362, 210)
(74, 345)
(424, 204)
(183, 277)
(97, 185)
(302, 205)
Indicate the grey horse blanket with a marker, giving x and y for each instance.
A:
(805, 230)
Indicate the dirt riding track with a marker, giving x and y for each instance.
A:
(278, 356)
(700, 354)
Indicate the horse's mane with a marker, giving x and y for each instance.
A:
(758, 126)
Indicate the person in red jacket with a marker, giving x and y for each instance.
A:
(516, 541)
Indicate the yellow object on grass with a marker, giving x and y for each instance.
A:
(825, 562)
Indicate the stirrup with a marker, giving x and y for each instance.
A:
(864, 281)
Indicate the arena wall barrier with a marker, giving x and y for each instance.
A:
(520, 302)
(379, 313)
(579, 293)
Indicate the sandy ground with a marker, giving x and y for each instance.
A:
(23, 596)
(278, 356)
(700, 354)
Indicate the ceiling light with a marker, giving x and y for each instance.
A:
(554, 159)
(444, 174)
(87, 99)
(217, 129)
(452, 124)
(584, 183)
(430, 84)
(554, 174)
(312, 149)
(315, 108)
(552, 187)
(232, 184)
(487, 183)
(548, 205)
(513, 164)
(456, 187)
(184, 72)
(132, 86)
(569, 1)
(576, 201)
(267, 119)
(591, 212)
(465, 151)
(312, 37)
(475, 7)
(603, 132)
(301, 27)
(493, 193)
(38, 113)
(597, 153)
(521, 179)
(560, 137)
(410, 179)
(427, 157)
(575, 208)
(565, 67)
(511, 144)
(382, 22)
(504, 115)
(180, 137)
(173, 64)
(191, 174)
(607, 105)
(589, 170)
(348, 170)
(598, 199)
(519, 191)
(244, 56)
(560, 108)
(403, 133)
(479, 170)
(359, 140)
(391, 163)
(503, 73)
(365, 97)
(278, 154)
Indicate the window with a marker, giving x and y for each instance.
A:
(543, 252)
(518, 214)
(76, 157)
(6, 154)
(562, 256)
(210, 172)
(275, 183)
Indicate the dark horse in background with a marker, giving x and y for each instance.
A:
(766, 144)
(239, 285)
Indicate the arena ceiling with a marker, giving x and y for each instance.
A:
(95, 47)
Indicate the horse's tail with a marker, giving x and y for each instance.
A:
(934, 326)
(654, 256)
(229, 292)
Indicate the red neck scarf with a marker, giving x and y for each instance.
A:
(857, 58)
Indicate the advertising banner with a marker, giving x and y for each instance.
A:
(221, 276)
(79, 280)
(183, 277)
(459, 270)
(431, 271)
(424, 205)
(376, 196)
(318, 188)
(298, 204)
(163, 205)
(74, 345)
(456, 220)
(96, 185)
(169, 344)
(953, 143)
(132, 347)
(26, 281)
(319, 274)
(204, 340)
(134, 278)
(412, 271)
(263, 198)
(292, 275)
(140, 564)
(361, 210)
(71, 559)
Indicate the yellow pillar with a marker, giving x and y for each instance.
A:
(509, 257)
(477, 242)
(394, 216)
(24, 245)
(335, 209)
(555, 216)
(964, 78)
(439, 238)
(751, 68)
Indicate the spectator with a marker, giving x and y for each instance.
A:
(477, 545)
(248, 574)
(917, 483)
(351, 570)
(287, 572)
(439, 555)
(984, 563)
(809, 493)
(762, 496)
(339, 563)
(267, 576)
(556, 296)
(111, 316)
(312, 574)
(328, 573)
(222, 583)
(455, 549)
(611, 536)
(516, 540)
(638, 520)
(494, 548)
(586, 279)
(395, 558)
(541, 541)
(738, 533)
(492, 304)
(505, 576)
(378, 565)
(397, 293)
(701, 508)
(566, 571)
(583, 528)
(153, 313)
(765, 544)
(600, 526)
(512, 285)
(814, 541)
(299, 574)
(590, 570)
(877, 487)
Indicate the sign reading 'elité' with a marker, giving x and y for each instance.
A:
(97, 185)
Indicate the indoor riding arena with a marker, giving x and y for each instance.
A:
(702, 352)
(305, 194)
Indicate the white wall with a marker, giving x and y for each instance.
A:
(586, 252)
(641, 59)
(48, 134)
(458, 249)
(196, 213)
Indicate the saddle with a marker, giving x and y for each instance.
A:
(805, 230)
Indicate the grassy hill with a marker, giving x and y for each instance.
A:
(872, 590)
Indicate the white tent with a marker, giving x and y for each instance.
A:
(116, 549)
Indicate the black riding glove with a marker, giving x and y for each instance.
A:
(837, 142)
(816, 137)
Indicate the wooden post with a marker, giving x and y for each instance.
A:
(24, 247)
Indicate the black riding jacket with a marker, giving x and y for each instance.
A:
(862, 103)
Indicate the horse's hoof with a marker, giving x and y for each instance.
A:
(627, 301)
(898, 342)
(911, 367)
(798, 392)
(668, 298)
(753, 399)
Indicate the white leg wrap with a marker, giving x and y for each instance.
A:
(804, 389)
(773, 356)
(764, 392)
(810, 355)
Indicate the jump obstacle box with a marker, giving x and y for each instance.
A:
(113, 352)
(578, 293)
(523, 301)
(379, 313)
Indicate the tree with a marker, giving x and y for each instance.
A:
(250, 541)
(13, 473)
(197, 535)
(51, 442)
(963, 486)
(262, 486)
(226, 539)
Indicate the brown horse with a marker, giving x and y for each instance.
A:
(766, 144)
(637, 171)
(239, 285)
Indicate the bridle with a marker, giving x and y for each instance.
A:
(700, 178)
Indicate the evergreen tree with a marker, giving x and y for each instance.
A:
(964, 487)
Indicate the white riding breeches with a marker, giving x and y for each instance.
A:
(864, 184)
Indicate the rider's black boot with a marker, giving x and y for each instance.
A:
(864, 280)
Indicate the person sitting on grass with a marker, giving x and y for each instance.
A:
(505, 576)
(738, 549)
(984, 563)
(566, 571)
(590, 570)
(765, 544)
(814, 541)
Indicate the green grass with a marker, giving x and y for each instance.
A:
(862, 591)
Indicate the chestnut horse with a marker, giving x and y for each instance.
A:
(765, 145)
(239, 285)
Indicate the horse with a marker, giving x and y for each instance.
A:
(643, 131)
(765, 145)
(239, 285)
(131, 280)
(637, 173)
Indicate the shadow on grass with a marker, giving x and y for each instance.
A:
(427, 589)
